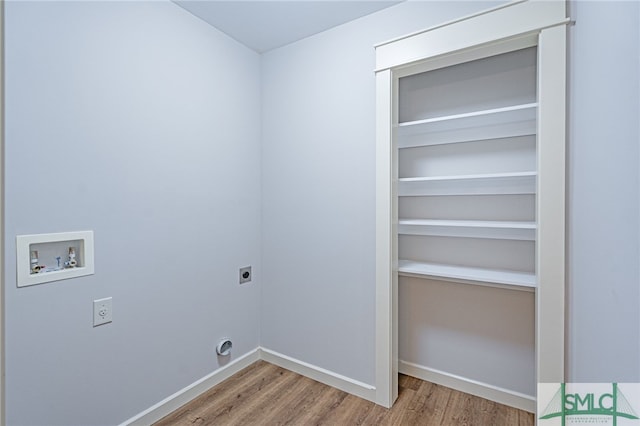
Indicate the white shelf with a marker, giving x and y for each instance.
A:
(481, 184)
(469, 228)
(518, 120)
(477, 276)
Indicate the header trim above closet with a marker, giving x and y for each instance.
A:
(505, 22)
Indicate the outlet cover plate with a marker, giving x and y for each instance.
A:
(102, 311)
(245, 274)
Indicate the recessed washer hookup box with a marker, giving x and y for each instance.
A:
(43, 258)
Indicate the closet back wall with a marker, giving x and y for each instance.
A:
(141, 122)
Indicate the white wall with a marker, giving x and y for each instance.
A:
(318, 191)
(318, 186)
(603, 194)
(129, 118)
(140, 122)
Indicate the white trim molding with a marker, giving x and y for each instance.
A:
(505, 22)
(473, 387)
(386, 311)
(550, 206)
(197, 388)
(2, 283)
(319, 374)
(192, 391)
(517, 25)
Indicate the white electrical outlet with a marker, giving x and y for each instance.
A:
(102, 311)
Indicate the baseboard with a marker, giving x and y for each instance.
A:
(473, 387)
(354, 387)
(178, 399)
(319, 374)
(183, 396)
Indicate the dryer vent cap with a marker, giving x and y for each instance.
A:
(224, 347)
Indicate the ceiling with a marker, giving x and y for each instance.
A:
(266, 24)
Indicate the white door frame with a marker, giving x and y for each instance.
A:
(514, 24)
(2, 375)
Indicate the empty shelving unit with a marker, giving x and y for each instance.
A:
(469, 131)
(470, 221)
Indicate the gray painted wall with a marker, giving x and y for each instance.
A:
(122, 118)
(318, 204)
(603, 193)
(142, 123)
(318, 188)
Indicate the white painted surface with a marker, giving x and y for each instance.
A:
(486, 26)
(468, 228)
(465, 274)
(386, 218)
(122, 117)
(518, 120)
(550, 206)
(440, 93)
(319, 165)
(473, 387)
(85, 257)
(192, 391)
(266, 25)
(504, 155)
(484, 86)
(511, 208)
(483, 334)
(480, 253)
(102, 311)
(319, 374)
(513, 183)
(603, 218)
(603, 255)
(2, 260)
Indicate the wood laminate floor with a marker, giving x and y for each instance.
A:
(264, 394)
